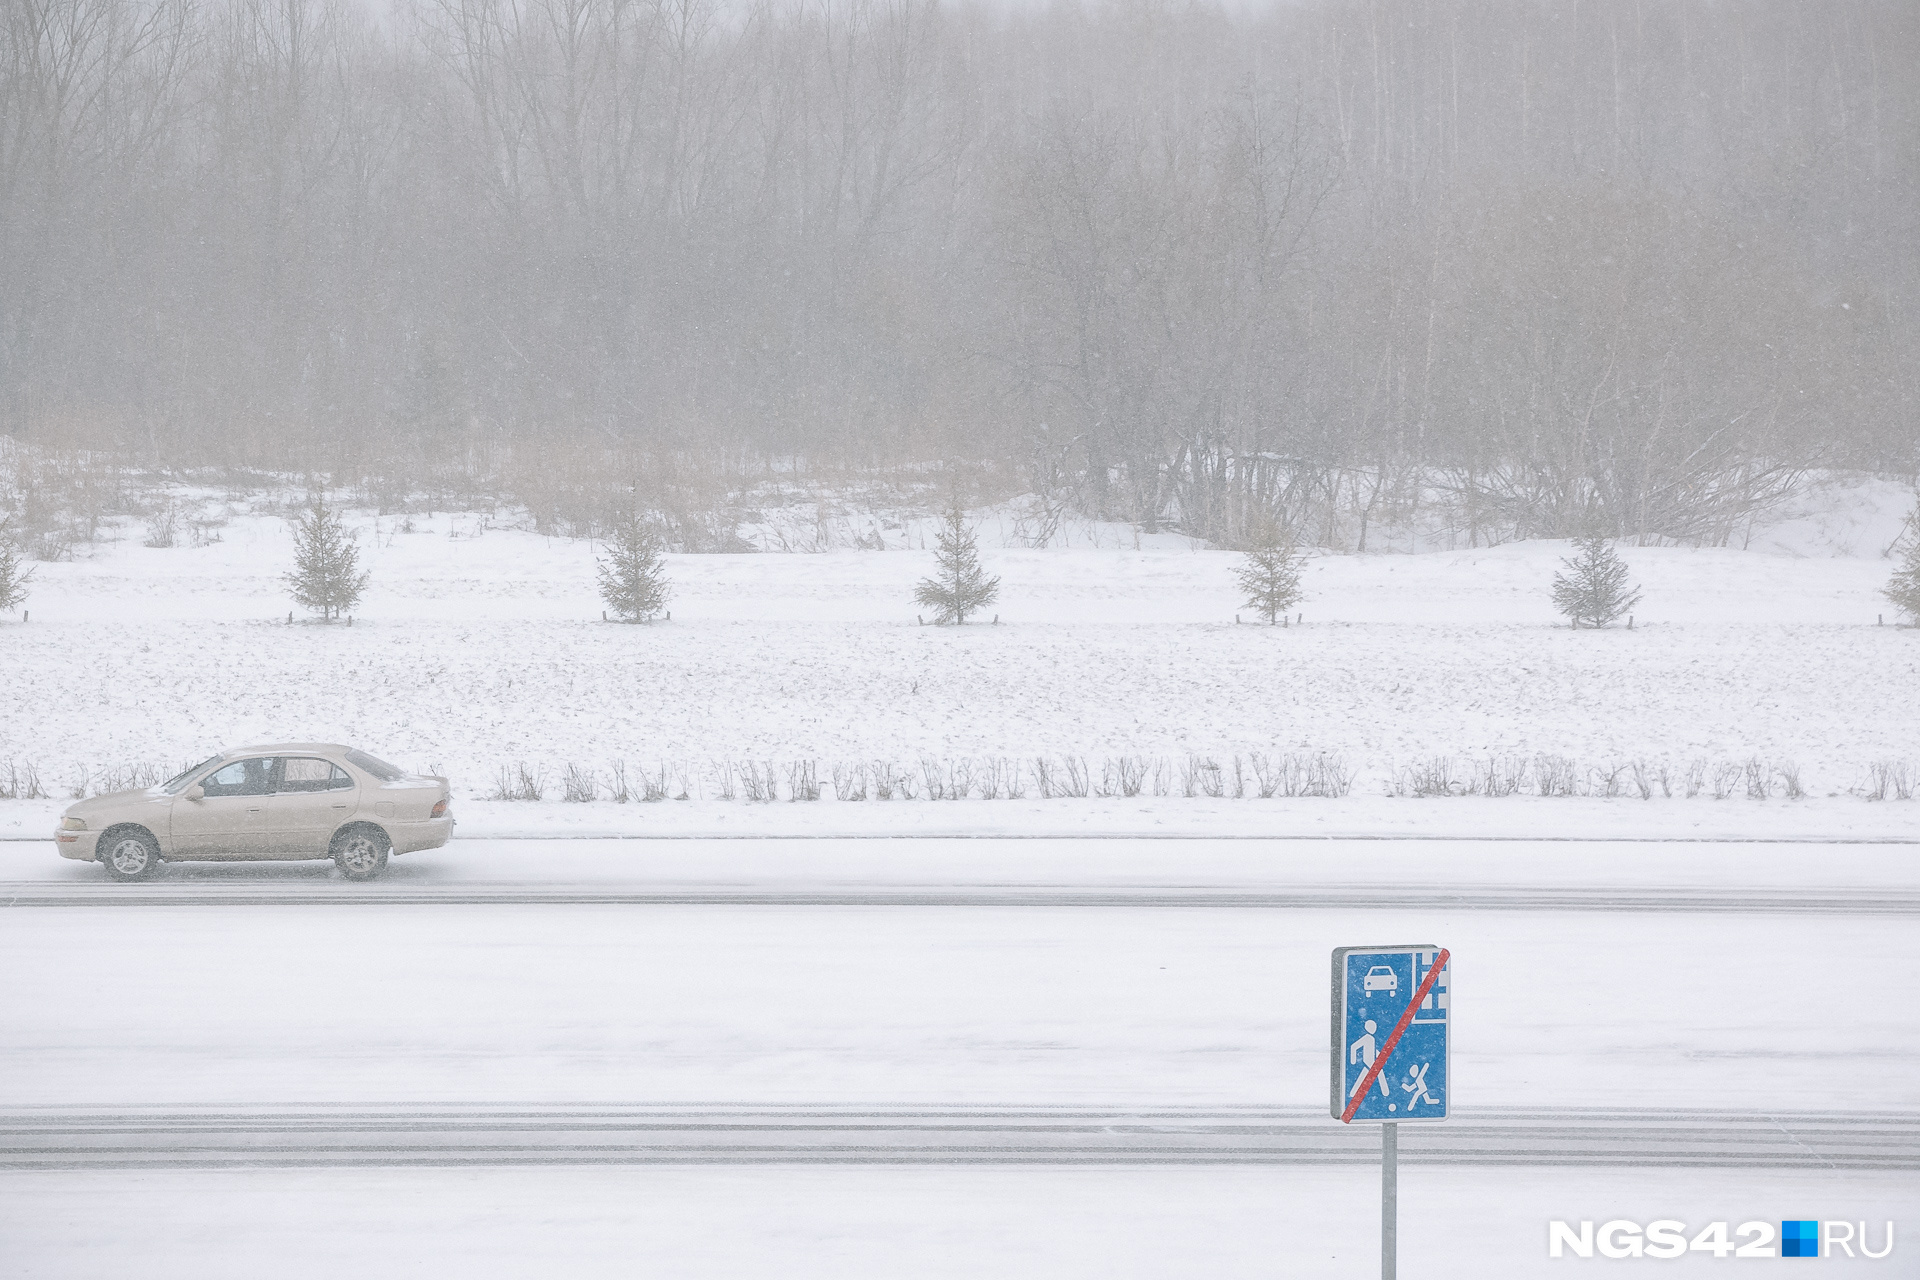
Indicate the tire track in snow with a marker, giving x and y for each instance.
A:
(48, 1138)
(1751, 901)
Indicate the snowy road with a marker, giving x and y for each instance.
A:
(1108, 977)
(211, 1138)
(326, 892)
(574, 1054)
(1396, 872)
(1109, 1009)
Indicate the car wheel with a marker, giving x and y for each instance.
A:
(361, 854)
(129, 854)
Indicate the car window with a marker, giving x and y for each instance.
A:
(241, 778)
(306, 773)
(175, 785)
(378, 768)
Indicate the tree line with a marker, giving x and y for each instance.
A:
(1593, 589)
(1512, 267)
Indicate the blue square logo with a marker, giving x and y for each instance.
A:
(1800, 1239)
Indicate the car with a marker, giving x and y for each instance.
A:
(279, 803)
(1379, 978)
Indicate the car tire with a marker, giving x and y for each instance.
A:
(129, 854)
(361, 852)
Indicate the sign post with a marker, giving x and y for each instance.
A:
(1389, 1199)
(1391, 1054)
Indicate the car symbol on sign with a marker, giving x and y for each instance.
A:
(1379, 978)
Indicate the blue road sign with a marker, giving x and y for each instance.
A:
(1391, 1009)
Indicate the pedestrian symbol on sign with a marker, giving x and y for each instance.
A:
(1362, 1052)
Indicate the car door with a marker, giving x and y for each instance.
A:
(311, 798)
(229, 820)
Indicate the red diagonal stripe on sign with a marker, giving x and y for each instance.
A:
(1386, 1050)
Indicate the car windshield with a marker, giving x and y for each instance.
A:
(378, 768)
(175, 785)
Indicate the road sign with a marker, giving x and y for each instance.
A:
(1391, 1046)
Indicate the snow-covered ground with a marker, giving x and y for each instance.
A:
(832, 1223)
(480, 647)
(235, 1006)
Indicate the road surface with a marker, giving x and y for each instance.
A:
(214, 1138)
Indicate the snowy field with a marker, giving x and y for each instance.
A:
(480, 647)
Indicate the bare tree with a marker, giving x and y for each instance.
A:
(1528, 268)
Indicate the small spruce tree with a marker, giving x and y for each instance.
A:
(1270, 575)
(326, 576)
(633, 573)
(13, 578)
(959, 586)
(1594, 590)
(1904, 587)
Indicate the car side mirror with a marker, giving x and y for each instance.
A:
(196, 793)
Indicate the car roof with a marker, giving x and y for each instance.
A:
(282, 747)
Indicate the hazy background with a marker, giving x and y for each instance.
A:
(1535, 266)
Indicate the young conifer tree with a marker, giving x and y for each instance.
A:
(1270, 574)
(13, 578)
(326, 576)
(959, 587)
(633, 572)
(1903, 589)
(1594, 590)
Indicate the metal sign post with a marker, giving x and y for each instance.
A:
(1392, 1054)
(1389, 1199)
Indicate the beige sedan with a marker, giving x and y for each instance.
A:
(293, 801)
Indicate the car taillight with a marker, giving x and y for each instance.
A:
(439, 810)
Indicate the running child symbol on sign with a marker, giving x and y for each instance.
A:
(1417, 1086)
(1362, 1051)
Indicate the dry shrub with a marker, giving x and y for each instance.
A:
(22, 782)
(850, 782)
(578, 786)
(758, 782)
(653, 785)
(803, 780)
(517, 782)
(618, 789)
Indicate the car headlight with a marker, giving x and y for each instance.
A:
(72, 824)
